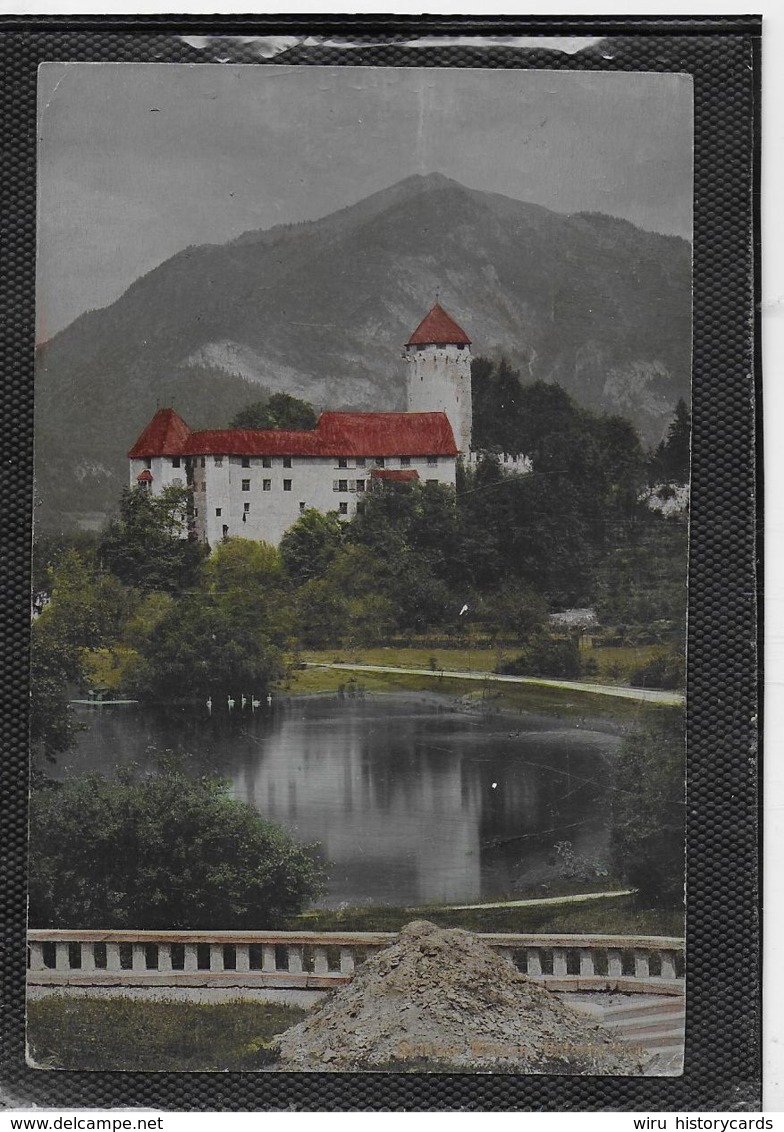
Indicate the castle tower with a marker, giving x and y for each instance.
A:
(439, 380)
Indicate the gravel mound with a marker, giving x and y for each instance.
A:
(440, 999)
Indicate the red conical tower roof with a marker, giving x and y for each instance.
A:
(438, 328)
(165, 435)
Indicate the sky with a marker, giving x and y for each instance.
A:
(137, 161)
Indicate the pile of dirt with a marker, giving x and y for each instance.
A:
(441, 999)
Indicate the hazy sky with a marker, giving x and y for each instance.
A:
(137, 161)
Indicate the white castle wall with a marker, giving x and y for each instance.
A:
(163, 470)
(439, 380)
(254, 502)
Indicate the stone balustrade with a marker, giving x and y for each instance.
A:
(320, 960)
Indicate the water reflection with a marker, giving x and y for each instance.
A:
(411, 802)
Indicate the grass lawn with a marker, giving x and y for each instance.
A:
(137, 1036)
(490, 698)
(617, 916)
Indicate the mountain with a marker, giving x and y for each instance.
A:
(321, 309)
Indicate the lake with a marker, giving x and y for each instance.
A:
(412, 801)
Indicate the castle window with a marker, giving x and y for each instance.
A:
(405, 461)
(247, 508)
(301, 507)
(267, 485)
(287, 461)
(342, 462)
(343, 509)
(195, 512)
(342, 485)
(246, 461)
(148, 464)
(175, 461)
(246, 485)
(287, 485)
(218, 512)
(360, 485)
(225, 530)
(203, 462)
(218, 461)
(360, 461)
(379, 461)
(266, 461)
(432, 461)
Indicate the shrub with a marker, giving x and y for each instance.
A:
(161, 852)
(665, 670)
(546, 656)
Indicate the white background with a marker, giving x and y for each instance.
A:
(773, 358)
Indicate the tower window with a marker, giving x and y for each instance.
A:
(266, 485)
(287, 485)
(218, 512)
(247, 508)
(246, 485)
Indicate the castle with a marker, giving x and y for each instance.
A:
(255, 483)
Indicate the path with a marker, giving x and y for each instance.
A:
(646, 695)
(537, 901)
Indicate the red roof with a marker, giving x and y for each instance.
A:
(386, 434)
(438, 328)
(336, 434)
(145, 476)
(404, 475)
(165, 435)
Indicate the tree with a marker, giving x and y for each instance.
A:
(145, 548)
(643, 578)
(163, 852)
(310, 545)
(671, 461)
(280, 411)
(85, 612)
(211, 644)
(649, 829)
(225, 637)
(54, 665)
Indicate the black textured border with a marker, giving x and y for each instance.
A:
(723, 1027)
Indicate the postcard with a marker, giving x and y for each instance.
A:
(390, 449)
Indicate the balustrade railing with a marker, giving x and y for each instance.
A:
(320, 960)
